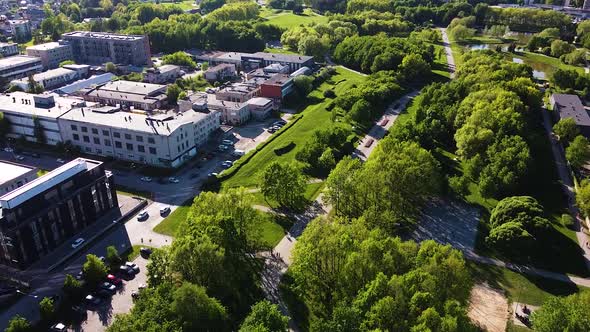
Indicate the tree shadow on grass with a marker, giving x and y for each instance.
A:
(297, 307)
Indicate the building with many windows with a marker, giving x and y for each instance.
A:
(44, 213)
(51, 54)
(19, 66)
(14, 175)
(50, 79)
(162, 139)
(143, 96)
(101, 47)
(8, 49)
(21, 30)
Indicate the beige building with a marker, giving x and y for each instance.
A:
(50, 79)
(51, 54)
(220, 72)
(260, 107)
(238, 92)
(162, 74)
(143, 96)
(14, 175)
(163, 139)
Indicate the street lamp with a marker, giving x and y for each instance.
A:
(23, 293)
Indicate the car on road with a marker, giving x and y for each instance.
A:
(8, 149)
(227, 164)
(59, 327)
(108, 286)
(133, 266)
(145, 252)
(61, 161)
(77, 243)
(227, 142)
(164, 210)
(212, 175)
(146, 179)
(173, 180)
(369, 142)
(91, 299)
(114, 280)
(143, 215)
(20, 158)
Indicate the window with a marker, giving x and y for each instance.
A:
(152, 150)
(95, 131)
(76, 137)
(139, 138)
(140, 148)
(151, 140)
(98, 151)
(96, 140)
(84, 129)
(118, 144)
(74, 127)
(105, 133)
(129, 146)
(127, 136)
(107, 142)
(116, 135)
(86, 139)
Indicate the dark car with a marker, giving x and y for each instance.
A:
(78, 312)
(92, 300)
(133, 266)
(108, 287)
(145, 252)
(114, 280)
(126, 272)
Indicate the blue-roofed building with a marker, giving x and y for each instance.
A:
(87, 83)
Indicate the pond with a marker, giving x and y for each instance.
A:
(538, 69)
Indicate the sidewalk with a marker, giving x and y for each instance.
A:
(449, 52)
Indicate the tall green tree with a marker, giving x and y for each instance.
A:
(284, 184)
(196, 310)
(563, 314)
(47, 309)
(265, 316)
(94, 270)
(566, 129)
(578, 152)
(19, 324)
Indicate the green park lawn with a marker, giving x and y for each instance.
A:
(170, 224)
(286, 19)
(314, 117)
(185, 5)
(311, 193)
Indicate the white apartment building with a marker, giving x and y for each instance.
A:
(165, 139)
(23, 109)
(19, 66)
(48, 79)
(51, 54)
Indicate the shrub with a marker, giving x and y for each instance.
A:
(329, 94)
(284, 149)
(567, 220)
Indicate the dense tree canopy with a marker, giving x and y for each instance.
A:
(563, 314)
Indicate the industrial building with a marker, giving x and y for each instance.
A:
(51, 54)
(50, 79)
(19, 66)
(143, 96)
(101, 47)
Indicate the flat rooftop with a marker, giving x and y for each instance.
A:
(23, 103)
(39, 185)
(293, 58)
(9, 171)
(259, 101)
(46, 46)
(101, 35)
(278, 79)
(137, 88)
(162, 124)
(17, 60)
(53, 73)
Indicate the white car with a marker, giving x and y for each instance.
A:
(77, 243)
(238, 153)
(61, 161)
(227, 142)
(227, 163)
(146, 179)
(164, 210)
(173, 180)
(8, 150)
(143, 216)
(20, 158)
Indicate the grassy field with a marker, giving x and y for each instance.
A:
(545, 63)
(521, 288)
(169, 225)
(315, 116)
(279, 51)
(311, 193)
(286, 19)
(185, 5)
(132, 253)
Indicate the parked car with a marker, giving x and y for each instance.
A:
(104, 293)
(143, 215)
(114, 280)
(126, 271)
(271, 130)
(227, 164)
(77, 243)
(212, 175)
(61, 161)
(384, 122)
(279, 124)
(91, 299)
(145, 252)
(227, 142)
(59, 327)
(146, 179)
(20, 158)
(164, 210)
(222, 148)
(238, 153)
(173, 180)
(133, 266)
(78, 312)
(108, 286)
(369, 142)
(8, 149)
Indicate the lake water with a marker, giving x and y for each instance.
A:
(538, 70)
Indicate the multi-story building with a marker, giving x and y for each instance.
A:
(26, 111)
(143, 96)
(50, 79)
(41, 215)
(250, 61)
(19, 66)
(238, 92)
(260, 107)
(51, 54)
(102, 47)
(8, 49)
(14, 175)
(233, 113)
(163, 139)
(21, 30)
(220, 72)
(277, 87)
(162, 74)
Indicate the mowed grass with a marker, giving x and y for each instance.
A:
(185, 5)
(311, 193)
(545, 63)
(286, 19)
(519, 287)
(170, 224)
(315, 116)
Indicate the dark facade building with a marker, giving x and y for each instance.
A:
(277, 87)
(46, 212)
(102, 47)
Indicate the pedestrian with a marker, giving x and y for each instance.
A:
(141, 240)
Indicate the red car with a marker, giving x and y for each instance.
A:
(114, 280)
(384, 122)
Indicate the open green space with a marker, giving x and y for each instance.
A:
(286, 19)
(185, 5)
(519, 287)
(545, 63)
(132, 253)
(311, 193)
(314, 117)
(170, 224)
(439, 65)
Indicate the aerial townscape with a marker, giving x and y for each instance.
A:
(289, 165)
